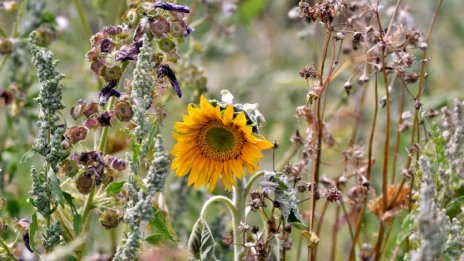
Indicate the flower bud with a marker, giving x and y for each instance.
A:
(44, 36)
(123, 111)
(111, 73)
(68, 168)
(110, 219)
(76, 134)
(160, 27)
(85, 183)
(6, 46)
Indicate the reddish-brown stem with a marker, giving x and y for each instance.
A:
(398, 135)
(369, 168)
(334, 235)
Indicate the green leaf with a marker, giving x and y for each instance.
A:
(161, 224)
(299, 225)
(154, 239)
(12, 206)
(55, 187)
(77, 219)
(32, 229)
(285, 195)
(454, 207)
(27, 156)
(201, 242)
(114, 187)
(250, 9)
(406, 228)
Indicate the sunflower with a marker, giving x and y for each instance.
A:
(213, 143)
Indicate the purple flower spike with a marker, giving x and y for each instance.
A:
(107, 92)
(165, 70)
(172, 7)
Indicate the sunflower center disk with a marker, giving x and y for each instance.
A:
(219, 142)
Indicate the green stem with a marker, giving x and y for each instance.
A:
(4, 61)
(83, 18)
(3, 33)
(7, 249)
(214, 199)
(250, 183)
(18, 18)
(239, 199)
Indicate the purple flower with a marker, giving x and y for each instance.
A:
(165, 70)
(106, 45)
(27, 241)
(106, 118)
(129, 53)
(172, 7)
(107, 92)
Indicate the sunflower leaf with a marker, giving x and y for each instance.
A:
(284, 194)
(201, 242)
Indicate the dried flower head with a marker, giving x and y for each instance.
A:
(76, 134)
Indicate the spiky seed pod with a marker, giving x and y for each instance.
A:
(6, 46)
(68, 168)
(123, 111)
(111, 73)
(85, 183)
(110, 219)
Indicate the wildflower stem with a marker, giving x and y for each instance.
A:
(84, 23)
(230, 205)
(398, 136)
(289, 155)
(252, 180)
(333, 253)
(368, 172)
(7, 250)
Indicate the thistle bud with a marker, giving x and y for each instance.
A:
(334, 194)
(123, 111)
(110, 219)
(6, 46)
(85, 183)
(68, 168)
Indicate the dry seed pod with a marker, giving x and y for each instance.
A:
(110, 219)
(68, 168)
(85, 183)
(123, 111)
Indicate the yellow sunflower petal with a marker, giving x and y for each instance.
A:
(227, 119)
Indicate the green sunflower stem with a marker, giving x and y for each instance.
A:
(239, 199)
